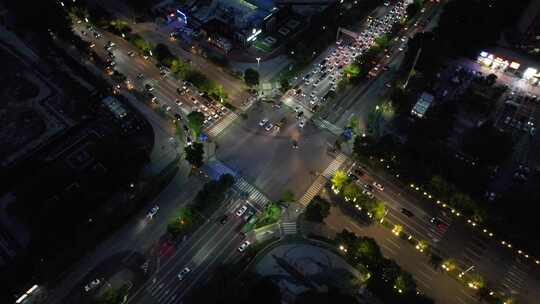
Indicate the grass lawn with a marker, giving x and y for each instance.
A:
(269, 216)
(262, 46)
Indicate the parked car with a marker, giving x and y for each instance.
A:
(244, 245)
(241, 210)
(407, 212)
(263, 122)
(378, 186)
(182, 275)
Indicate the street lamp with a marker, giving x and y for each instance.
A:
(258, 61)
(464, 272)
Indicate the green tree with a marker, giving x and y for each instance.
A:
(414, 8)
(140, 43)
(163, 55)
(351, 191)
(377, 208)
(183, 220)
(213, 192)
(339, 179)
(195, 122)
(285, 85)
(368, 251)
(179, 67)
(351, 71)
(251, 77)
(317, 210)
(382, 41)
(194, 154)
(404, 283)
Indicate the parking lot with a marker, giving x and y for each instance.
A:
(277, 156)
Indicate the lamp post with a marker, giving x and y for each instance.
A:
(258, 85)
(464, 272)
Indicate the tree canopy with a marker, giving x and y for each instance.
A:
(251, 77)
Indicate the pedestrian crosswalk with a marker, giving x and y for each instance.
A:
(288, 228)
(215, 129)
(334, 165)
(325, 124)
(216, 168)
(515, 278)
(321, 180)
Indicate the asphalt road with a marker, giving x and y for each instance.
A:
(510, 273)
(431, 281)
(164, 88)
(267, 159)
(213, 244)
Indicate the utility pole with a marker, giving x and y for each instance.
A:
(412, 68)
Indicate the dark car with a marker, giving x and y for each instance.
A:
(224, 219)
(407, 212)
(438, 222)
(353, 177)
(358, 172)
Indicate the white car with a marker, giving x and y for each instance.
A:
(183, 273)
(269, 127)
(263, 122)
(241, 211)
(152, 212)
(244, 245)
(302, 123)
(378, 186)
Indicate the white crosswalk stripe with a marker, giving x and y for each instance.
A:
(216, 168)
(515, 278)
(288, 228)
(215, 129)
(321, 180)
(325, 124)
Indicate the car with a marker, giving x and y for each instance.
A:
(438, 223)
(178, 102)
(182, 275)
(92, 45)
(407, 212)
(154, 100)
(378, 186)
(358, 172)
(368, 193)
(263, 122)
(177, 116)
(148, 87)
(152, 212)
(368, 187)
(269, 126)
(140, 76)
(167, 108)
(244, 245)
(241, 210)
(299, 114)
(131, 53)
(353, 177)
(302, 123)
(295, 144)
(224, 219)
(297, 109)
